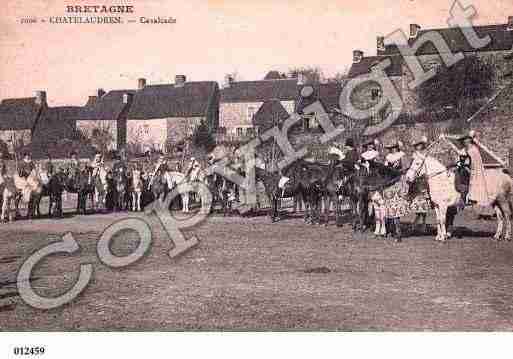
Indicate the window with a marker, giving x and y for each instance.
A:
(375, 94)
(240, 131)
(221, 130)
(250, 132)
(251, 112)
(307, 122)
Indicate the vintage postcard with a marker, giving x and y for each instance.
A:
(221, 165)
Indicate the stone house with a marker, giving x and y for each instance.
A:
(106, 112)
(241, 100)
(19, 118)
(164, 115)
(432, 121)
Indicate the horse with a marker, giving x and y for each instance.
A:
(30, 188)
(53, 185)
(136, 187)
(9, 192)
(80, 181)
(121, 188)
(442, 190)
(101, 188)
(158, 186)
(365, 191)
(280, 185)
(174, 179)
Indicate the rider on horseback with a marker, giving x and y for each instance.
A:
(96, 163)
(370, 155)
(395, 158)
(26, 166)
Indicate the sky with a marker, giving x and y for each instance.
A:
(210, 39)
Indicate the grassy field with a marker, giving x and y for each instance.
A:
(249, 274)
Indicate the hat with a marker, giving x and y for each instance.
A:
(469, 135)
(420, 141)
(73, 153)
(374, 142)
(394, 144)
(349, 142)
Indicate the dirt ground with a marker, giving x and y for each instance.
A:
(250, 274)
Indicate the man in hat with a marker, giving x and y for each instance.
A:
(74, 164)
(26, 166)
(369, 155)
(96, 163)
(351, 155)
(160, 167)
(192, 170)
(395, 157)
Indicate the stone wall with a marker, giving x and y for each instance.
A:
(153, 134)
(494, 127)
(233, 115)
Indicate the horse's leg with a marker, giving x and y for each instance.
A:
(398, 232)
(5, 200)
(443, 216)
(9, 209)
(500, 223)
(327, 203)
(506, 210)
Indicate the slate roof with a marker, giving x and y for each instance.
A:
(327, 93)
(108, 107)
(256, 91)
(18, 113)
(366, 63)
(501, 40)
(56, 123)
(430, 116)
(163, 101)
(270, 110)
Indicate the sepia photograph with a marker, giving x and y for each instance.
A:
(221, 166)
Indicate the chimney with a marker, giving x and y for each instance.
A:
(510, 23)
(41, 98)
(414, 30)
(101, 93)
(228, 80)
(357, 56)
(141, 83)
(301, 78)
(380, 43)
(180, 80)
(126, 98)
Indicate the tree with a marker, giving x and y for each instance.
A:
(202, 138)
(101, 137)
(313, 74)
(459, 87)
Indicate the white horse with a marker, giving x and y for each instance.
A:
(137, 189)
(174, 179)
(30, 188)
(442, 190)
(9, 192)
(101, 187)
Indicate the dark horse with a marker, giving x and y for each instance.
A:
(53, 189)
(120, 190)
(80, 181)
(295, 186)
(359, 187)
